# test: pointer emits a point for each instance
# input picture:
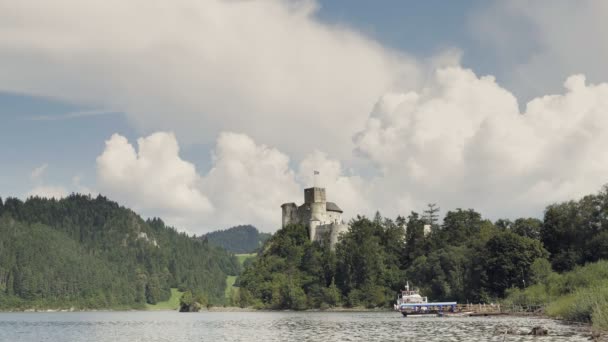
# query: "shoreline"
(330, 310)
(210, 309)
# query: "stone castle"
(323, 219)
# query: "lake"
(269, 326)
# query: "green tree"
(540, 271)
(431, 214)
(459, 226)
(527, 227)
(508, 258)
(89, 252)
(414, 239)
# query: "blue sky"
(69, 146)
(256, 95)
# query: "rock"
(194, 307)
(539, 331)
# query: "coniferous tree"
(91, 253)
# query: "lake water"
(269, 326)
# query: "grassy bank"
(580, 295)
(171, 304)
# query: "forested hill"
(239, 239)
(88, 252)
(465, 258)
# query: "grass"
(232, 291)
(584, 305)
(243, 257)
(579, 295)
(171, 304)
(230, 286)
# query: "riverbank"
(580, 295)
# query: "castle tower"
(323, 219)
(315, 199)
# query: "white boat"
(411, 304)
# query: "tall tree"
(431, 214)
(414, 238)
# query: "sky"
(212, 114)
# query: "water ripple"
(270, 326)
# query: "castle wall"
(313, 230)
(336, 230)
(334, 217)
(322, 233)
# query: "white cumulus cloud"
(247, 183)
(461, 141)
(268, 69)
(299, 93)
(153, 177)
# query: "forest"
(239, 239)
(84, 253)
(465, 258)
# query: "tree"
(333, 297)
(431, 215)
(540, 271)
(360, 256)
(508, 258)
(414, 238)
(460, 226)
(503, 224)
(89, 252)
(239, 239)
(527, 227)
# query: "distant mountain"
(239, 239)
(89, 252)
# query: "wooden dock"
(480, 310)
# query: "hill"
(86, 252)
(239, 239)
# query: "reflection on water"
(269, 326)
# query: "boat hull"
(437, 309)
(420, 315)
